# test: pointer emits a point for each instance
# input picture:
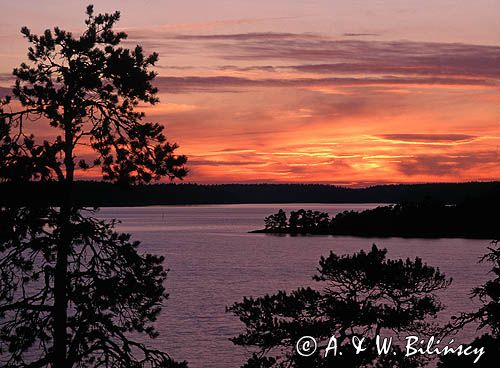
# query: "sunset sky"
(338, 91)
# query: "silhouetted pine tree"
(364, 294)
(72, 290)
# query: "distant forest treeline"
(92, 193)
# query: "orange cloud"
(309, 108)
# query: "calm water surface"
(214, 262)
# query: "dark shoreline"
(102, 194)
(373, 236)
(472, 218)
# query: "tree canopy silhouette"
(361, 294)
(72, 289)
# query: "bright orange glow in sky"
(343, 94)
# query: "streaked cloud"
(172, 30)
(416, 138)
(252, 36)
(360, 34)
(234, 84)
(460, 165)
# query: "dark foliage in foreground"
(361, 294)
(112, 291)
(487, 316)
(426, 219)
(73, 292)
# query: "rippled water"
(214, 262)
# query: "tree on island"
(276, 222)
(73, 291)
(363, 294)
(301, 222)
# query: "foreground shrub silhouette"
(361, 294)
(73, 291)
(112, 290)
(487, 319)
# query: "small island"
(477, 219)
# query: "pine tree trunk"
(61, 270)
(60, 292)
